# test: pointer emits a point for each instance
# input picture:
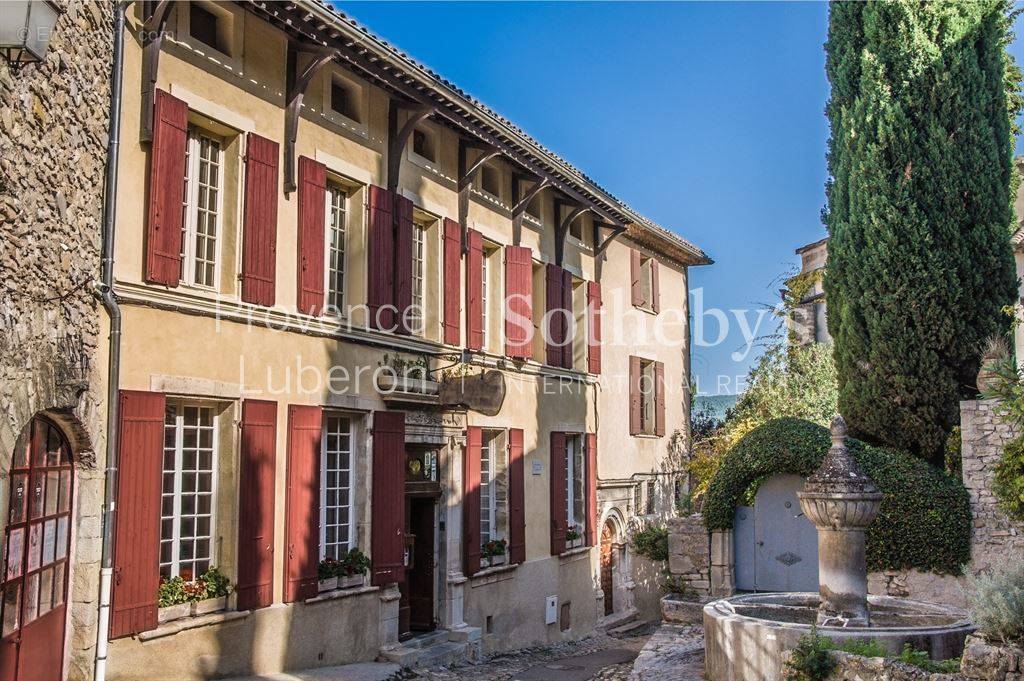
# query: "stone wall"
(53, 136)
(981, 661)
(984, 435)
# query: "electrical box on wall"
(551, 610)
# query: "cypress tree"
(919, 209)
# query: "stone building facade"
(53, 137)
(804, 297)
(256, 108)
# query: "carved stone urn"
(841, 502)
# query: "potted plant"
(493, 552)
(171, 600)
(210, 592)
(327, 574)
(354, 566)
(573, 538)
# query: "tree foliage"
(795, 382)
(925, 518)
(919, 208)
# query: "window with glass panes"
(419, 246)
(493, 486)
(202, 208)
(37, 535)
(336, 486)
(188, 489)
(337, 209)
(575, 483)
(483, 300)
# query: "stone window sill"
(184, 624)
(497, 573)
(335, 594)
(573, 554)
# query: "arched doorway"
(37, 539)
(607, 565)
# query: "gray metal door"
(776, 546)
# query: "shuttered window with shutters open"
(259, 238)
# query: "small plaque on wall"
(537, 467)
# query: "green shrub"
(864, 648)
(996, 600)
(925, 518)
(810, 660)
(652, 542)
(1008, 388)
(921, 660)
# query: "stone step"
(633, 628)
(429, 650)
(617, 619)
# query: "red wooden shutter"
(593, 327)
(452, 285)
(388, 503)
(302, 505)
(636, 425)
(166, 190)
(655, 292)
(259, 240)
(380, 261)
(518, 301)
(516, 497)
(312, 226)
(569, 320)
(659, 398)
(635, 290)
(474, 291)
(556, 318)
(256, 505)
(558, 473)
(591, 489)
(471, 501)
(137, 528)
(403, 264)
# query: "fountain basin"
(745, 636)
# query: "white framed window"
(336, 456)
(336, 236)
(483, 299)
(203, 209)
(419, 259)
(648, 387)
(493, 489)
(188, 490)
(575, 489)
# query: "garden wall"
(704, 560)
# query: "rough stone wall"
(53, 136)
(984, 435)
(689, 553)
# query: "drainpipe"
(106, 293)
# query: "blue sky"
(706, 117)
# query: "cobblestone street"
(668, 653)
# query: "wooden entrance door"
(420, 579)
(37, 540)
(607, 583)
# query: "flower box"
(329, 584)
(170, 613)
(351, 581)
(388, 383)
(209, 605)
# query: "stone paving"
(652, 653)
(671, 653)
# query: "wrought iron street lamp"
(26, 27)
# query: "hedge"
(925, 518)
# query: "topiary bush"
(925, 518)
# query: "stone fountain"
(746, 635)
